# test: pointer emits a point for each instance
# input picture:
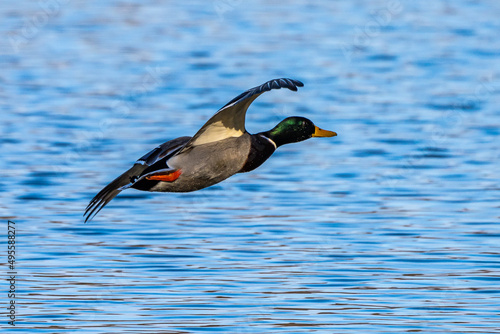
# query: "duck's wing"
(127, 179)
(229, 121)
(163, 151)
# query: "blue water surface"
(391, 227)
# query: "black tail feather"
(111, 190)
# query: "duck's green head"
(295, 129)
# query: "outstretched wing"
(127, 179)
(229, 121)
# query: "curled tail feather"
(111, 190)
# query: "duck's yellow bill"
(323, 133)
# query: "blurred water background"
(391, 227)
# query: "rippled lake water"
(391, 227)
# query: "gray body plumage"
(202, 167)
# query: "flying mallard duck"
(220, 149)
